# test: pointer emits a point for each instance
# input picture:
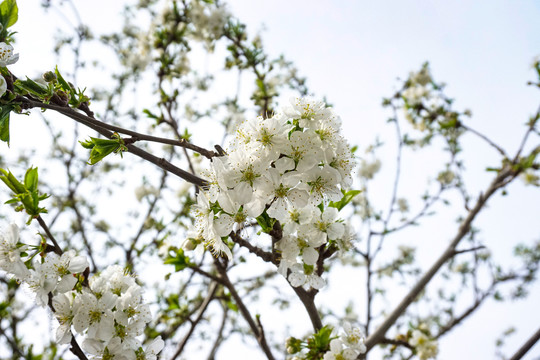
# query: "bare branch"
(508, 172)
(91, 123)
(486, 139)
(42, 223)
(211, 291)
(255, 328)
(527, 346)
(220, 337)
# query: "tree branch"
(219, 337)
(255, 328)
(42, 223)
(506, 173)
(105, 131)
(211, 291)
(527, 346)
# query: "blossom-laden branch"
(288, 174)
(107, 309)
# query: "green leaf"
(12, 182)
(63, 83)
(27, 193)
(9, 13)
(65, 86)
(266, 223)
(100, 148)
(232, 306)
(150, 114)
(31, 179)
(180, 261)
(32, 87)
(347, 198)
(4, 122)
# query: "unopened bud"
(49, 76)
(188, 244)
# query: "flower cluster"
(209, 22)
(285, 172)
(425, 347)
(108, 312)
(347, 346)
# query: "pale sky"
(353, 51)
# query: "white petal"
(63, 334)
(92, 346)
(223, 225)
(310, 256)
(297, 279)
(66, 283)
(316, 282)
(78, 264)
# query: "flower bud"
(189, 244)
(49, 76)
(293, 345)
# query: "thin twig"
(256, 329)
(265, 255)
(219, 338)
(211, 292)
(524, 140)
(44, 226)
(90, 122)
(135, 136)
(476, 248)
(486, 139)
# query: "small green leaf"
(266, 223)
(232, 306)
(4, 122)
(26, 194)
(9, 13)
(32, 87)
(100, 148)
(180, 261)
(347, 198)
(63, 83)
(150, 114)
(31, 179)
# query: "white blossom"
(7, 57)
(424, 346)
(338, 352)
(95, 315)
(10, 252)
(64, 314)
(151, 351)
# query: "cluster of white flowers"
(419, 96)
(209, 22)
(368, 169)
(347, 346)
(418, 86)
(425, 347)
(109, 313)
(286, 168)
